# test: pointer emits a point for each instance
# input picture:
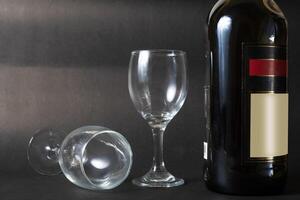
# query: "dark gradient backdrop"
(63, 64)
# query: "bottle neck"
(248, 1)
(258, 1)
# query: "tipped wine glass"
(91, 157)
(157, 82)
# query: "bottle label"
(265, 103)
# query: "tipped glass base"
(42, 152)
(158, 179)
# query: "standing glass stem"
(158, 159)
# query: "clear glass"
(42, 151)
(157, 82)
(91, 157)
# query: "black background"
(63, 64)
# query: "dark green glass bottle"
(246, 144)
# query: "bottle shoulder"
(246, 11)
(248, 21)
(273, 8)
(218, 7)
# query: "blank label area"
(269, 125)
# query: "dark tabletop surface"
(58, 188)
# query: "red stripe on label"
(264, 67)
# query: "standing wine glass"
(158, 88)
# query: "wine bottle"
(246, 148)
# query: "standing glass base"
(158, 179)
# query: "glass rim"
(160, 52)
(93, 136)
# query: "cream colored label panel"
(269, 125)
